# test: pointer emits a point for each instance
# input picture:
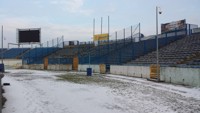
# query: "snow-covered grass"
(187, 91)
(83, 79)
(34, 91)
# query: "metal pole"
(52, 42)
(116, 40)
(89, 54)
(116, 37)
(47, 43)
(101, 24)
(157, 59)
(1, 74)
(139, 33)
(93, 39)
(131, 34)
(57, 41)
(124, 36)
(93, 27)
(63, 41)
(2, 46)
(108, 27)
(108, 40)
(108, 33)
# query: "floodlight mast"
(157, 46)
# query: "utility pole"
(2, 46)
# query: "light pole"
(157, 51)
(2, 46)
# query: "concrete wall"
(34, 66)
(14, 63)
(135, 71)
(25, 66)
(175, 75)
(184, 76)
(67, 67)
(95, 68)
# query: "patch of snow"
(185, 91)
(34, 91)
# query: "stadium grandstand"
(127, 47)
(175, 48)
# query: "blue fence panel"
(36, 55)
(14, 52)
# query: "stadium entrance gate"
(75, 64)
(45, 63)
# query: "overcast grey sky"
(73, 18)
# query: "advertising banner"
(172, 26)
(100, 37)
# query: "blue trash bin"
(89, 71)
(2, 68)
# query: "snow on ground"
(34, 91)
(183, 90)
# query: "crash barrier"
(176, 75)
(180, 75)
(134, 71)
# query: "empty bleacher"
(194, 62)
(97, 54)
(37, 55)
(174, 53)
(65, 55)
(2, 50)
(14, 53)
(125, 50)
(66, 52)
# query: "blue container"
(89, 71)
(107, 68)
(2, 68)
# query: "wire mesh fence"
(58, 42)
(120, 47)
(36, 55)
